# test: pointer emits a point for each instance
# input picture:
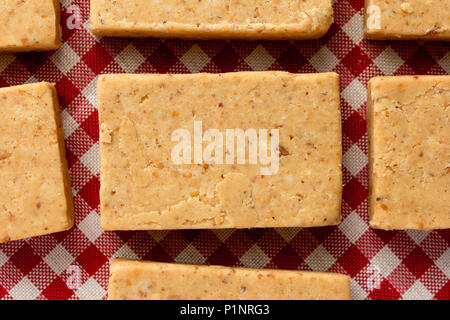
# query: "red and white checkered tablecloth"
(75, 264)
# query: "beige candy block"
(137, 280)
(36, 196)
(29, 25)
(142, 188)
(193, 19)
(407, 20)
(409, 138)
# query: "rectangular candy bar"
(201, 151)
(29, 25)
(193, 19)
(409, 136)
(137, 280)
(36, 196)
(407, 20)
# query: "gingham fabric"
(75, 264)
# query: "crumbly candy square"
(407, 20)
(193, 19)
(142, 280)
(36, 196)
(409, 138)
(29, 25)
(143, 188)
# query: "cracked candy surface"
(36, 196)
(138, 280)
(408, 19)
(409, 135)
(141, 188)
(29, 25)
(262, 19)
